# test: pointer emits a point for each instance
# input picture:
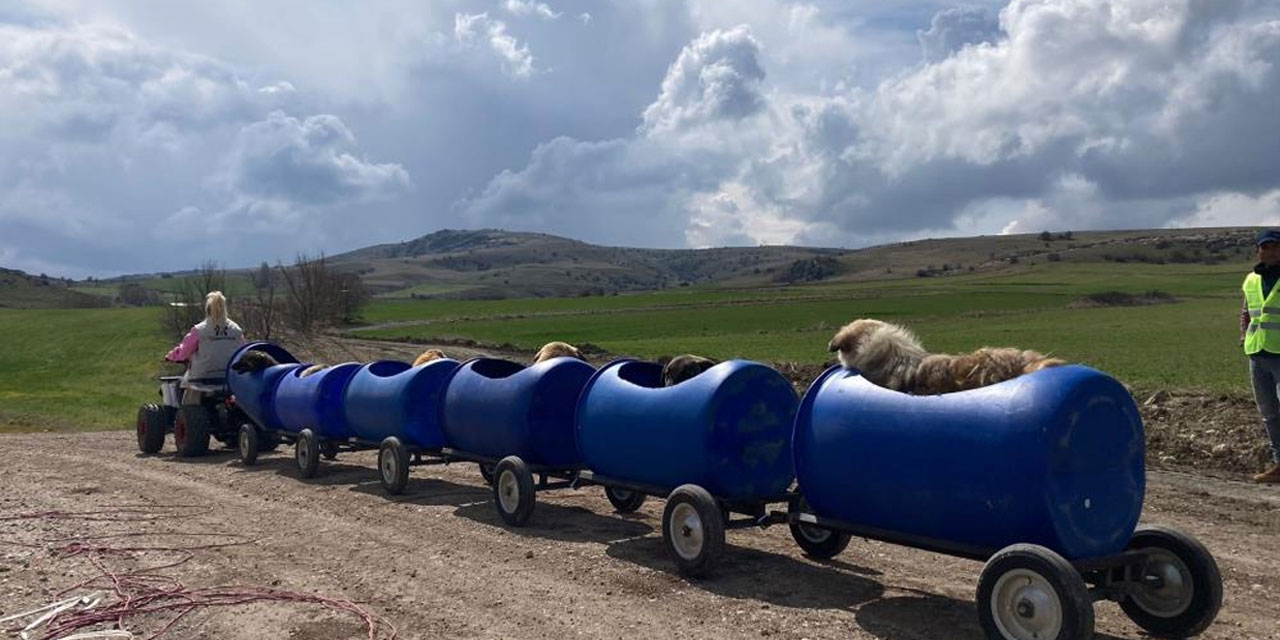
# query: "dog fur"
(254, 361)
(312, 370)
(557, 350)
(684, 367)
(892, 357)
(428, 356)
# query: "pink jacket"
(188, 347)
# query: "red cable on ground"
(142, 592)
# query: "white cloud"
(1234, 210)
(717, 77)
(479, 27)
(954, 29)
(584, 17)
(530, 8)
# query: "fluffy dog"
(892, 357)
(683, 367)
(428, 356)
(557, 350)
(254, 361)
(312, 370)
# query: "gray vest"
(218, 342)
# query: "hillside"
(491, 263)
(19, 290)
(495, 264)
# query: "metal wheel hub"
(508, 492)
(686, 531)
(304, 453)
(1026, 607)
(1167, 589)
(389, 469)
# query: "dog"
(892, 357)
(683, 367)
(557, 350)
(428, 356)
(312, 370)
(254, 361)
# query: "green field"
(68, 369)
(90, 368)
(1190, 344)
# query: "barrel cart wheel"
(1180, 588)
(329, 450)
(191, 430)
(486, 472)
(513, 491)
(1028, 592)
(693, 528)
(306, 452)
(248, 442)
(393, 465)
(624, 500)
(819, 543)
(151, 428)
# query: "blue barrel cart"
(394, 407)
(516, 422)
(254, 395)
(1042, 477)
(714, 445)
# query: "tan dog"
(892, 357)
(428, 356)
(557, 350)
(683, 367)
(312, 370)
(254, 361)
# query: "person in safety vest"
(208, 347)
(1260, 335)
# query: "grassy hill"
(19, 290)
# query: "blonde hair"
(215, 307)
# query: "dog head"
(428, 356)
(681, 368)
(851, 338)
(557, 350)
(254, 361)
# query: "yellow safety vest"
(1263, 333)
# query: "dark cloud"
(953, 29)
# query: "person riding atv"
(196, 404)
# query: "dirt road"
(438, 564)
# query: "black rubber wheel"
(486, 472)
(329, 449)
(151, 428)
(191, 430)
(306, 452)
(817, 542)
(248, 441)
(393, 465)
(1028, 592)
(513, 491)
(1181, 588)
(693, 529)
(624, 500)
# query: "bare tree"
(318, 296)
(260, 314)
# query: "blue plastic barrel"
(315, 402)
(390, 398)
(1053, 458)
(727, 429)
(255, 391)
(498, 408)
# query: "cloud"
(307, 161)
(470, 29)
(1084, 114)
(717, 77)
(530, 8)
(955, 28)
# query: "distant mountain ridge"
(493, 263)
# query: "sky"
(152, 135)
